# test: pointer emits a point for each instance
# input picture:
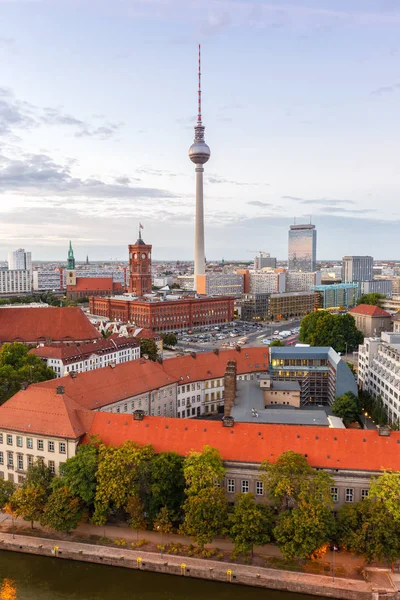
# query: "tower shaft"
(199, 254)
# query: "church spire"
(71, 258)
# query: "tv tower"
(199, 153)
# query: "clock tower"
(71, 273)
(140, 280)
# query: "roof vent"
(238, 349)
(228, 421)
(73, 374)
(193, 354)
(383, 430)
(112, 365)
(216, 351)
(60, 389)
(138, 415)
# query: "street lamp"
(334, 549)
(365, 420)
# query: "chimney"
(138, 415)
(60, 389)
(73, 374)
(112, 365)
(383, 430)
(193, 354)
(228, 421)
(216, 351)
(229, 387)
(238, 348)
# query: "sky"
(98, 100)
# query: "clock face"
(135, 255)
(143, 255)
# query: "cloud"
(216, 21)
(216, 179)
(260, 204)
(387, 89)
(318, 201)
(340, 209)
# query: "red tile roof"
(44, 412)
(92, 284)
(252, 442)
(69, 353)
(40, 324)
(369, 310)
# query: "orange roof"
(369, 310)
(252, 442)
(58, 324)
(44, 412)
(92, 284)
(73, 352)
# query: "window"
(62, 447)
(51, 446)
(259, 488)
(245, 486)
(40, 445)
(10, 459)
(335, 494)
(230, 486)
(349, 497)
(30, 460)
(20, 461)
(19, 441)
(1, 458)
(52, 466)
(1, 438)
(9, 440)
(364, 494)
(29, 443)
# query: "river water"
(42, 578)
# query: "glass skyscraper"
(302, 248)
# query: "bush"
(120, 542)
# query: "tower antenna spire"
(199, 90)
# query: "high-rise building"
(264, 260)
(299, 281)
(20, 260)
(357, 268)
(302, 248)
(140, 280)
(199, 153)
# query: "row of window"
(19, 463)
(348, 494)
(51, 446)
(244, 486)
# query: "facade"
(379, 371)
(337, 295)
(292, 304)
(267, 282)
(357, 268)
(185, 282)
(65, 359)
(297, 281)
(371, 320)
(302, 248)
(93, 286)
(140, 280)
(380, 286)
(20, 260)
(253, 307)
(15, 282)
(264, 260)
(220, 284)
(45, 325)
(165, 315)
(45, 281)
(320, 372)
(396, 322)
(391, 305)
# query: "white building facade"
(267, 282)
(298, 281)
(20, 260)
(15, 282)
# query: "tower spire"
(199, 91)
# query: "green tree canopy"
(250, 524)
(168, 485)
(310, 525)
(203, 469)
(63, 510)
(78, 473)
(283, 478)
(39, 474)
(135, 509)
(373, 298)
(18, 367)
(386, 489)
(347, 407)
(7, 489)
(169, 339)
(206, 515)
(321, 328)
(277, 343)
(149, 347)
(29, 502)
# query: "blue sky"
(97, 105)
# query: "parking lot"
(239, 333)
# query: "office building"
(48, 281)
(379, 371)
(267, 282)
(20, 260)
(220, 284)
(357, 268)
(337, 295)
(15, 282)
(292, 304)
(253, 307)
(298, 281)
(302, 248)
(379, 286)
(264, 260)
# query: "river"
(42, 578)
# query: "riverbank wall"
(318, 585)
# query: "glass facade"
(302, 248)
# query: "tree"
(78, 473)
(283, 478)
(29, 502)
(206, 515)
(163, 522)
(149, 347)
(63, 510)
(386, 489)
(17, 367)
(7, 489)
(310, 525)
(39, 474)
(250, 524)
(203, 469)
(135, 510)
(168, 485)
(117, 476)
(169, 339)
(347, 407)
(372, 299)
(322, 328)
(277, 343)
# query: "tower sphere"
(199, 152)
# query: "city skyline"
(96, 118)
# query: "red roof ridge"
(369, 310)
